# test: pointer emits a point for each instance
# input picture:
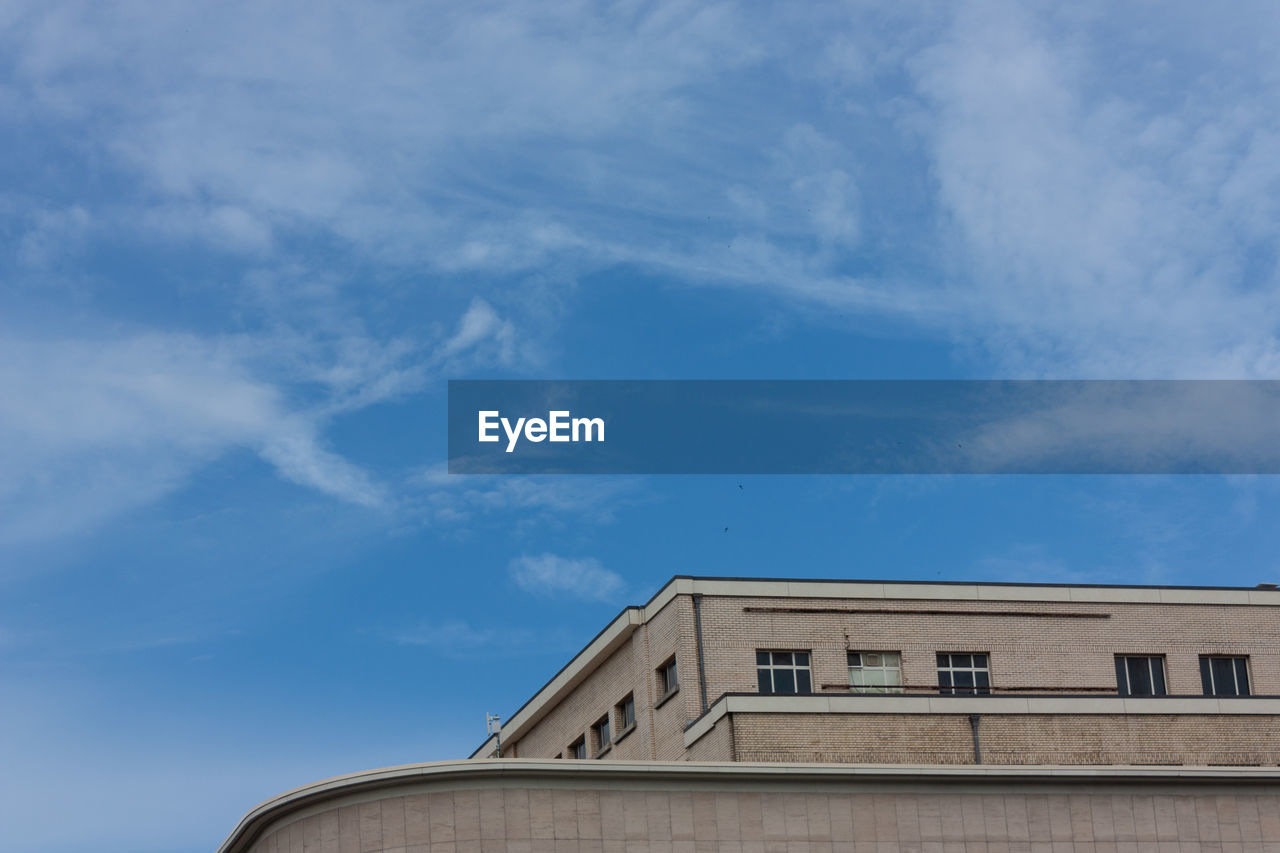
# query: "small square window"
(875, 672)
(966, 673)
(1140, 675)
(668, 679)
(783, 672)
(627, 712)
(1224, 676)
(579, 748)
(601, 734)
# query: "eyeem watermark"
(865, 427)
(558, 426)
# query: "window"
(1140, 675)
(963, 673)
(601, 732)
(875, 672)
(579, 748)
(668, 682)
(1224, 676)
(783, 672)
(626, 713)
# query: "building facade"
(715, 669)
(776, 716)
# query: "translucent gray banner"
(864, 427)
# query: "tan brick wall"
(1029, 648)
(632, 668)
(1006, 739)
(520, 820)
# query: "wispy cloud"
(548, 574)
(98, 426)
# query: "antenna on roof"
(493, 725)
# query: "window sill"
(665, 697)
(604, 750)
(628, 730)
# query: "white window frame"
(1126, 689)
(602, 733)
(1235, 677)
(881, 665)
(794, 668)
(973, 669)
(668, 678)
(623, 724)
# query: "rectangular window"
(783, 672)
(875, 672)
(579, 748)
(966, 673)
(601, 732)
(627, 712)
(1224, 676)
(668, 682)
(1140, 675)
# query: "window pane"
(1122, 677)
(762, 658)
(873, 677)
(766, 684)
(944, 660)
(1157, 677)
(855, 659)
(961, 660)
(802, 658)
(892, 659)
(1206, 682)
(873, 659)
(893, 677)
(1139, 676)
(981, 678)
(962, 678)
(1224, 676)
(944, 679)
(802, 681)
(784, 681)
(1242, 676)
(979, 660)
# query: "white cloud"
(94, 427)
(548, 574)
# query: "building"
(762, 715)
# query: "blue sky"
(247, 243)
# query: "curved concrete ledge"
(535, 774)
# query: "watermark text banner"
(864, 427)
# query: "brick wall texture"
(1033, 648)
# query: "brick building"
(775, 716)
(715, 669)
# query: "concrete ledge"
(902, 704)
